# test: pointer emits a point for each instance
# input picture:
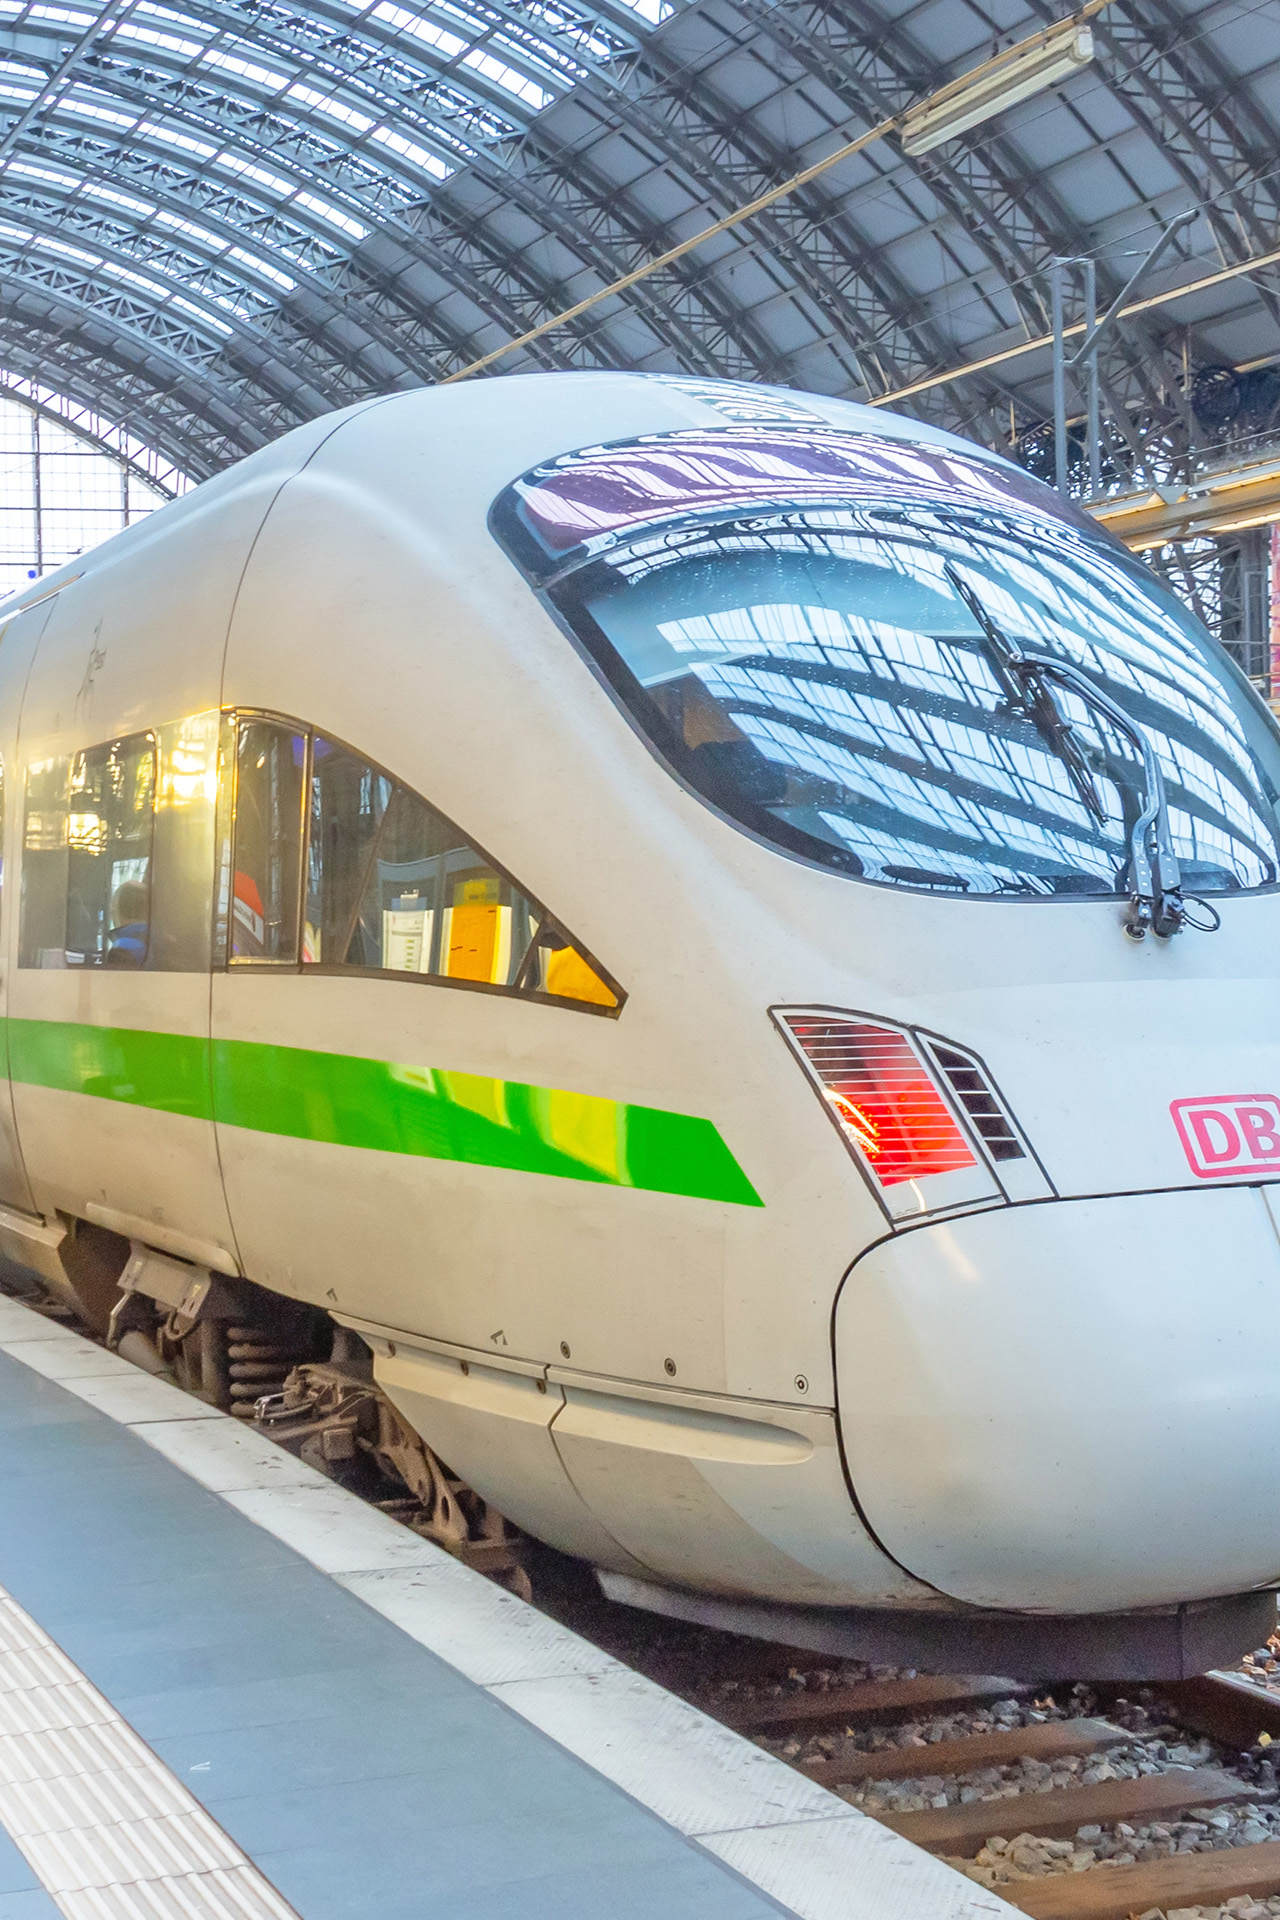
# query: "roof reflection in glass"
(811, 670)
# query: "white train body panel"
(1063, 1404)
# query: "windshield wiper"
(1025, 688)
(1027, 679)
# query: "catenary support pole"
(1056, 274)
(1093, 419)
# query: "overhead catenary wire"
(1013, 284)
(870, 195)
(1253, 265)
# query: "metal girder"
(1222, 499)
(138, 460)
(184, 422)
(236, 214)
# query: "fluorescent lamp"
(1015, 75)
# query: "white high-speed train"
(732, 938)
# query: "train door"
(117, 815)
(19, 639)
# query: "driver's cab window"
(388, 885)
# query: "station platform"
(230, 1690)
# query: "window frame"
(151, 734)
(226, 962)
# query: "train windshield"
(817, 672)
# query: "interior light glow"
(885, 1101)
(87, 833)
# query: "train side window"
(271, 763)
(110, 817)
(184, 854)
(42, 938)
(555, 966)
(347, 807)
(394, 887)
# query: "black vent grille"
(970, 1086)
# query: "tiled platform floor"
(376, 1731)
(360, 1773)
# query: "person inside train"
(130, 916)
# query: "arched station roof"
(223, 217)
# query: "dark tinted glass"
(110, 809)
(347, 806)
(270, 773)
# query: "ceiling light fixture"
(1015, 75)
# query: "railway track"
(1080, 1803)
(1077, 1802)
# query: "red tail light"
(883, 1097)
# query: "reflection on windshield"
(816, 674)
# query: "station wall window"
(390, 886)
(119, 843)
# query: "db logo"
(1237, 1134)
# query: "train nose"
(1072, 1406)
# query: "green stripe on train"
(353, 1102)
